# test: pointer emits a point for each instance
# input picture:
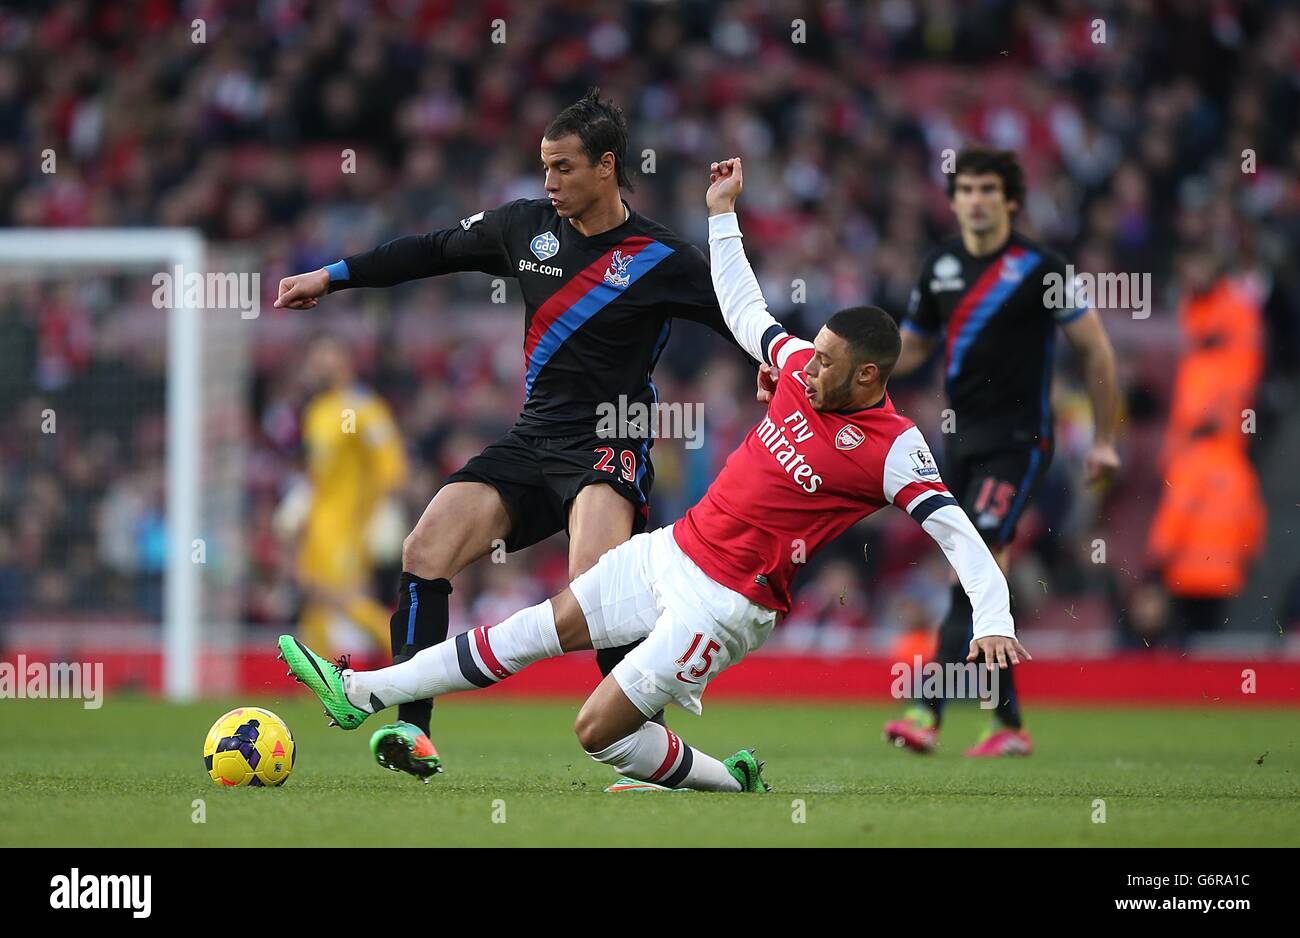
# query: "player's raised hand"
(999, 651)
(1101, 463)
(767, 376)
(725, 182)
(301, 290)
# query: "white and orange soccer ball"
(249, 746)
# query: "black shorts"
(538, 477)
(994, 485)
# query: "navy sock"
(954, 641)
(1008, 712)
(420, 622)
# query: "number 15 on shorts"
(706, 659)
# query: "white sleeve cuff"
(722, 226)
(1006, 629)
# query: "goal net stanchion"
(193, 338)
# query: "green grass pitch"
(128, 775)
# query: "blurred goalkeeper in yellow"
(344, 514)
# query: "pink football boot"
(1002, 742)
(915, 731)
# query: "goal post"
(54, 253)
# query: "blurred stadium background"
(1135, 151)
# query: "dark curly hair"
(978, 160)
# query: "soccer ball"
(249, 746)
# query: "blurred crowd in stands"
(1159, 138)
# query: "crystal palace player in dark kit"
(601, 286)
(984, 296)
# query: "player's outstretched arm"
(475, 244)
(743, 308)
(397, 261)
(912, 483)
(993, 631)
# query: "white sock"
(478, 658)
(655, 754)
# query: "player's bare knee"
(418, 556)
(592, 736)
(410, 550)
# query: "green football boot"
(747, 770)
(325, 679)
(404, 747)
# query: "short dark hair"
(978, 160)
(601, 127)
(871, 334)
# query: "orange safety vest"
(1210, 522)
(1220, 369)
